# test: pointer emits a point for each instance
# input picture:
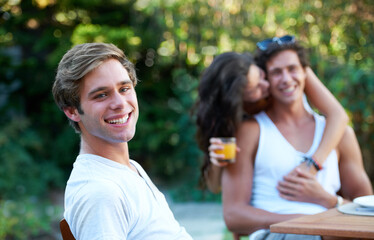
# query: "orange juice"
(229, 149)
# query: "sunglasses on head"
(264, 44)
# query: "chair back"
(65, 230)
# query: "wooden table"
(329, 223)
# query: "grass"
(228, 236)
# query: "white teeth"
(289, 89)
(119, 120)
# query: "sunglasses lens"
(287, 38)
(263, 45)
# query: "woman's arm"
(336, 117)
(213, 173)
(212, 177)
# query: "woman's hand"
(217, 159)
(304, 166)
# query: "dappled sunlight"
(171, 42)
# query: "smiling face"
(109, 105)
(257, 86)
(286, 76)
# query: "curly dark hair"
(263, 56)
(219, 108)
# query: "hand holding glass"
(228, 150)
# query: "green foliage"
(191, 192)
(27, 219)
(21, 173)
(171, 42)
(229, 236)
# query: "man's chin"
(122, 138)
(129, 137)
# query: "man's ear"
(72, 114)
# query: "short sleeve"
(99, 212)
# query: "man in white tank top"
(274, 178)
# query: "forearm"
(332, 134)
(336, 117)
(212, 178)
(329, 201)
(246, 219)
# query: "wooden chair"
(65, 230)
(236, 236)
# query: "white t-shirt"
(108, 200)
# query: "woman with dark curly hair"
(233, 88)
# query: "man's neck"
(117, 152)
(287, 112)
(295, 124)
(256, 107)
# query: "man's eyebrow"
(94, 91)
(273, 69)
(126, 81)
(293, 65)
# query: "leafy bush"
(21, 174)
(28, 219)
(170, 42)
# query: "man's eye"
(124, 89)
(101, 95)
(275, 73)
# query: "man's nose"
(117, 101)
(286, 76)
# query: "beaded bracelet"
(311, 161)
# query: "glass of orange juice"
(229, 149)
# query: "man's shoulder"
(88, 181)
(249, 130)
(92, 188)
(249, 123)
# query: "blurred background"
(171, 42)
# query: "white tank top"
(276, 157)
